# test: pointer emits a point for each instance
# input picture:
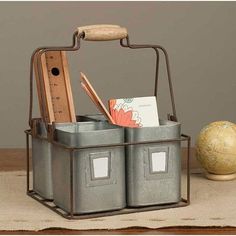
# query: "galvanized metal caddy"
(64, 156)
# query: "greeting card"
(134, 112)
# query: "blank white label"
(100, 167)
(158, 161)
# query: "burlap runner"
(213, 204)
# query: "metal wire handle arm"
(156, 47)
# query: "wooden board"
(39, 87)
(54, 89)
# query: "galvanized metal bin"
(96, 117)
(98, 174)
(42, 158)
(41, 161)
(153, 172)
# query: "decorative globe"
(216, 150)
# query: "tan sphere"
(216, 148)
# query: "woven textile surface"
(212, 204)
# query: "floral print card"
(135, 112)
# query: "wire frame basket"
(124, 42)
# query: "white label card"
(100, 167)
(158, 161)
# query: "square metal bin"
(42, 158)
(98, 173)
(153, 171)
(41, 161)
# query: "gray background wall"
(199, 36)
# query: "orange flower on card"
(122, 117)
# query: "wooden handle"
(82, 28)
(103, 32)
